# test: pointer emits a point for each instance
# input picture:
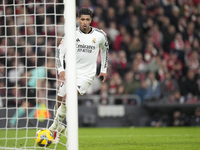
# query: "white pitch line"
(101, 136)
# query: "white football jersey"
(87, 49)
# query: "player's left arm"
(104, 47)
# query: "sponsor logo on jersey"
(85, 48)
(94, 40)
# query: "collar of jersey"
(84, 32)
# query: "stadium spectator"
(97, 16)
(162, 70)
(112, 31)
(114, 83)
(193, 61)
(156, 35)
(197, 23)
(15, 72)
(147, 25)
(101, 25)
(103, 92)
(10, 54)
(142, 17)
(182, 25)
(189, 86)
(168, 87)
(142, 91)
(138, 64)
(174, 65)
(121, 13)
(150, 52)
(137, 6)
(175, 14)
(104, 4)
(120, 91)
(162, 54)
(87, 4)
(135, 46)
(110, 16)
(154, 65)
(118, 40)
(132, 24)
(187, 52)
(177, 98)
(130, 12)
(21, 48)
(113, 62)
(31, 58)
(16, 96)
(49, 29)
(197, 77)
(177, 46)
(2, 71)
(160, 15)
(40, 19)
(159, 120)
(60, 27)
(195, 120)
(126, 40)
(196, 45)
(2, 47)
(122, 63)
(178, 118)
(168, 37)
(153, 88)
(130, 84)
(189, 34)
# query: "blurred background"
(153, 69)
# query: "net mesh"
(30, 31)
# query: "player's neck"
(87, 31)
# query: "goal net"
(30, 31)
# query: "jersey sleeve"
(60, 57)
(104, 47)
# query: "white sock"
(60, 116)
(59, 127)
(55, 110)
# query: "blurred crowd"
(29, 37)
(176, 118)
(154, 47)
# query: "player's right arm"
(60, 60)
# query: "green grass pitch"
(169, 138)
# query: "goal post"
(30, 32)
(72, 104)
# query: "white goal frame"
(70, 45)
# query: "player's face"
(84, 22)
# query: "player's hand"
(104, 75)
(62, 77)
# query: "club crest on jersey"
(94, 40)
(77, 40)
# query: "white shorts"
(82, 86)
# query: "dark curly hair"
(84, 11)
